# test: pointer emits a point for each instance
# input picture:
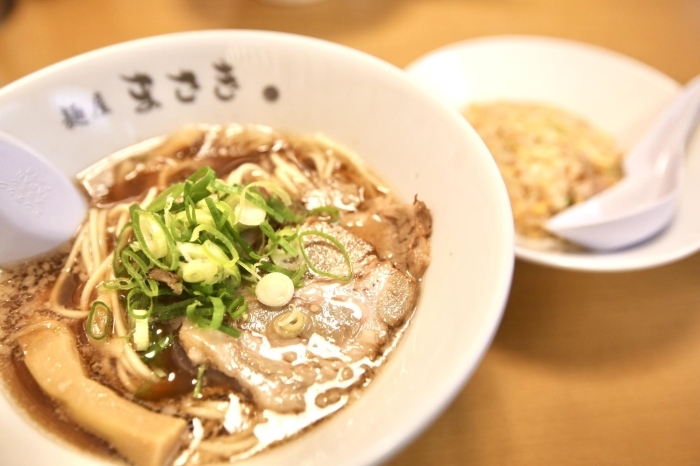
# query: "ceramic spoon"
(40, 208)
(645, 200)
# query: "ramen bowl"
(81, 110)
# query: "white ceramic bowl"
(615, 93)
(80, 110)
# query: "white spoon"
(644, 201)
(40, 208)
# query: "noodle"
(86, 255)
(71, 313)
(228, 446)
(125, 379)
(95, 278)
(253, 170)
(132, 360)
(119, 316)
(289, 175)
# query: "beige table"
(586, 369)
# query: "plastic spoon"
(40, 208)
(644, 201)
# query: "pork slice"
(399, 232)
(354, 317)
(274, 384)
(327, 257)
(379, 296)
(393, 293)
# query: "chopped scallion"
(98, 320)
(209, 238)
(274, 289)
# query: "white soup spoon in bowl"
(644, 202)
(40, 208)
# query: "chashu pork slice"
(399, 232)
(354, 317)
(274, 384)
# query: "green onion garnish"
(206, 239)
(198, 384)
(101, 320)
(334, 242)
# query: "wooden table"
(586, 369)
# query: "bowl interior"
(81, 110)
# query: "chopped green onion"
(119, 245)
(137, 270)
(250, 215)
(289, 324)
(141, 335)
(230, 331)
(150, 288)
(191, 212)
(329, 211)
(250, 268)
(208, 236)
(334, 242)
(198, 384)
(277, 239)
(191, 251)
(251, 196)
(199, 270)
(219, 218)
(100, 320)
(216, 254)
(216, 234)
(158, 203)
(274, 289)
(157, 347)
(136, 300)
(121, 283)
(219, 310)
(242, 244)
(171, 311)
(238, 307)
(154, 236)
(273, 188)
(148, 239)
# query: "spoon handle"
(688, 120)
(670, 130)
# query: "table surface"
(585, 368)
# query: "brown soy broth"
(177, 382)
(181, 376)
(130, 188)
(135, 183)
(69, 293)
